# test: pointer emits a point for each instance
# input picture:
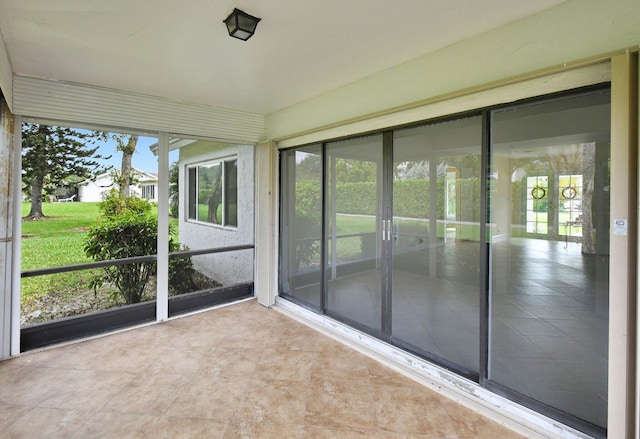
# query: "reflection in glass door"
(537, 205)
(549, 297)
(436, 246)
(570, 206)
(301, 223)
(353, 219)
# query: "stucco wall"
(574, 30)
(232, 267)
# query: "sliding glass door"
(353, 220)
(480, 243)
(550, 253)
(436, 248)
(301, 220)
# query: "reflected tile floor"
(241, 371)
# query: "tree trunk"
(36, 199)
(126, 177)
(216, 196)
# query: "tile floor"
(242, 371)
(549, 315)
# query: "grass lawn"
(58, 240)
(347, 224)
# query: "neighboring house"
(145, 186)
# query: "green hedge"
(469, 204)
(308, 198)
(356, 198)
(411, 199)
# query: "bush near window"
(128, 230)
(126, 235)
(307, 222)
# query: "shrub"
(128, 231)
(174, 205)
(181, 272)
(308, 199)
(306, 231)
(114, 204)
(123, 236)
(307, 222)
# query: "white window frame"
(224, 192)
(148, 191)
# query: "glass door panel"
(436, 240)
(548, 326)
(354, 219)
(301, 223)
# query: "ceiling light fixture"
(241, 25)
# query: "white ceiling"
(179, 49)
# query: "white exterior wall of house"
(226, 268)
(94, 191)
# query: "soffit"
(180, 50)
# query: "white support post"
(265, 253)
(162, 294)
(16, 234)
(6, 227)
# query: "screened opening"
(87, 197)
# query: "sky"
(143, 159)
